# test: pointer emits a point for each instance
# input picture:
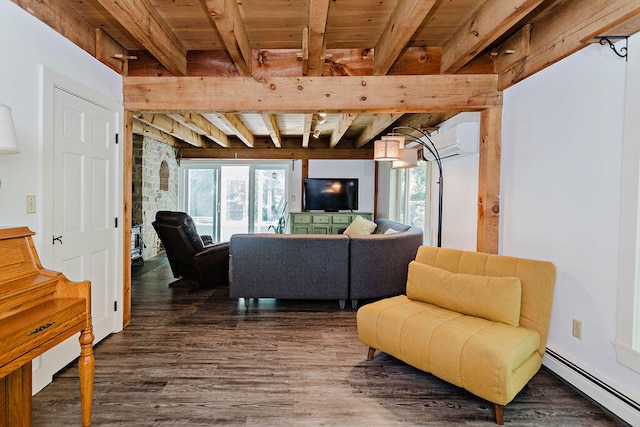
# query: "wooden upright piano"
(39, 309)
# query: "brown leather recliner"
(200, 263)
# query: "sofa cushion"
(493, 298)
(360, 226)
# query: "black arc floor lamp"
(391, 148)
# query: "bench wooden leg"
(499, 411)
(371, 353)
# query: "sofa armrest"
(378, 263)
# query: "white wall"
(459, 202)
(561, 176)
(364, 170)
(25, 45)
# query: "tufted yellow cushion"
(492, 298)
(360, 226)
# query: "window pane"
(201, 199)
(270, 199)
(417, 181)
(401, 192)
(234, 210)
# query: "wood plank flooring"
(201, 359)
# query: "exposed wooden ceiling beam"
(199, 124)
(306, 130)
(490, 21)
(318, 12)
(142, 20)
(377, 125)
(564, 30)
(226, 17)
(141, 128)
(272, 126)
(512, 50)
(404, 22)
(280, 153)
(170, 126)
(239, 128)
(341, 128)
(374, 94)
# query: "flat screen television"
(330, 194)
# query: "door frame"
(50, 81)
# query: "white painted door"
(84, 202)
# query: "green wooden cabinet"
(323, 222)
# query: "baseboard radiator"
(612, 392)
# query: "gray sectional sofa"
(327, 267)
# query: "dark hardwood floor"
(201, 359)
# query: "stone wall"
(155, 168)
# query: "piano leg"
(86, 366)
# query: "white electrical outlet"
(31, 204)
(577, 329)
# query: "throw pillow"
(493, 298)
(360, 226)
(391, 231)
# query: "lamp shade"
(408, 159)
(386, 149)
(8, 141)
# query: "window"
(410, 195)
(228, 198)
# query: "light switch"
(31, 204)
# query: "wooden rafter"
(202, 126)
(491, 20)
(226, 17)
(379, 123)
(374, 94)
(170, 126)
(564, 30)
(272, 126)
(404, 22)
(317, 44)
(141, 128)
(341, 128)
(306, 130)
(239, 128)
(142, 20)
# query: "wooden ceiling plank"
(199, 124)
(490, 21)
(377, 125)
(564, 30)
(142, 20)
(306, 130)
(228, 20)
(170, 126)
(144, 129)
(280, 153)
(239, 128)
(317, 44)
(403, 23)
(372, 94)
(341, 128)
(272, 126)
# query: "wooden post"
(489, 180)
(127, 211)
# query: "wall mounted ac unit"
(457, 136)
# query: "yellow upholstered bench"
(476, 320)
